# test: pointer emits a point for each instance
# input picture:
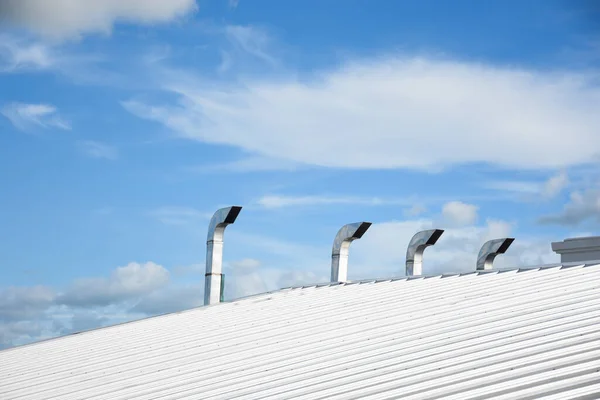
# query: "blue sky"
(125, 124)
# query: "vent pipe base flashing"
(581, 249)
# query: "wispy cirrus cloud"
(251, 40)
(275, 201)
(248, 165)
(97, 149)
(178, 215)
(415, 205)
(531, 190)
(394, 112)
(17, 54)
(29, 116)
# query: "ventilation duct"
(578, 249)
(489, 251)
(341, 245)
(416, 247)
(213, 279)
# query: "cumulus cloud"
(582, 206)
(18, 302)
(96, 149)
(28, 116)
(61, 19)
(37, 312)
(457, 213)
(171, 299)
(395, 112)
(247, 277)
(131, 281)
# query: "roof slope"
(502, 335)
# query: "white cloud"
(395, 112)
(252, 40)
(18, 302)
(245, 264)
(457, 213)
(61, 19)
(27, 116)
(582, 206)
(252, 278)
(171, 299)
(131, 281)
(415, 210)
(189, 269)
(18, 55)
(555, 185)
(520, 187)
(226, 62)
(275, 201)
(175, 215)
(531, 190)
(98, 150)
(247, 165)
(416, 206)
(38, 312)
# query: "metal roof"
(526, 334)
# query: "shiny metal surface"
(519, 334)
(489, 251)
(341, 246)
(214, 252)
(416, 247)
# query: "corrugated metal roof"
(501, 335)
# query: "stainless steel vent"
(341, 245)
(214, 253)
(489, 251)
(414, 253)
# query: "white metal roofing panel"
(526, 334)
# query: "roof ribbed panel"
(529, 334)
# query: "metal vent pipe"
(414, 253)
(341, 246)
(489, 251)
(213, 290)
